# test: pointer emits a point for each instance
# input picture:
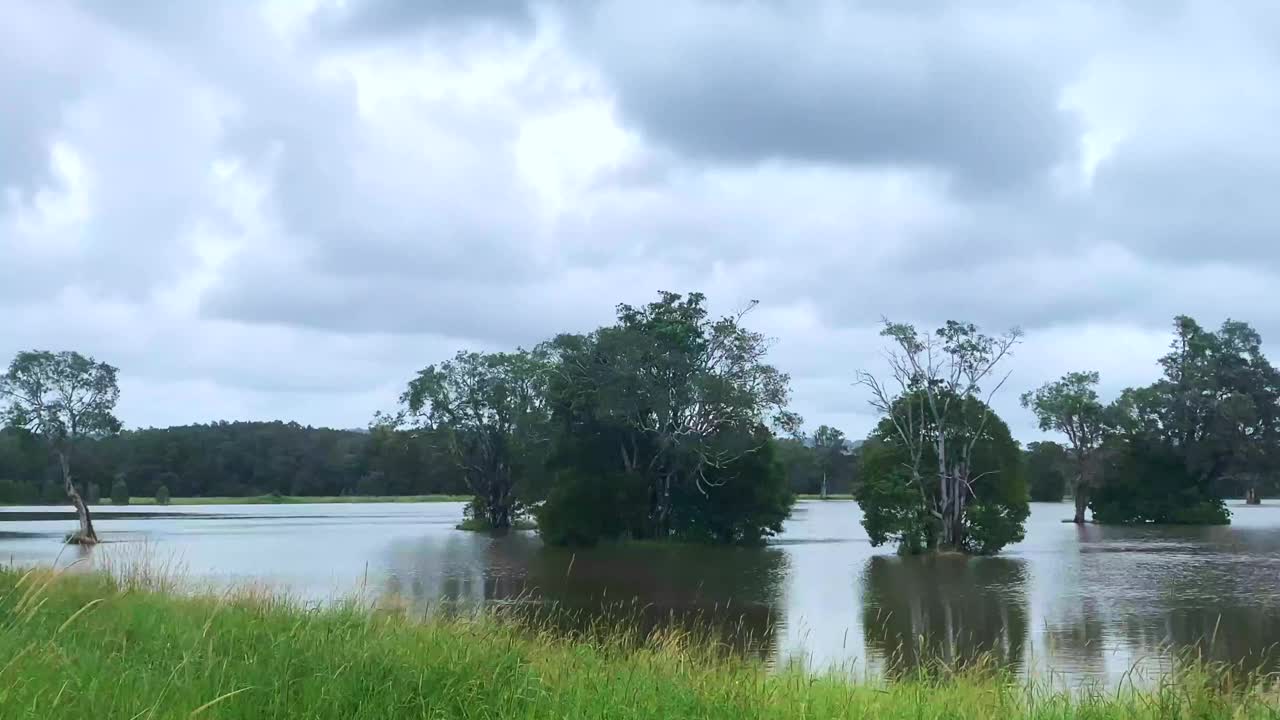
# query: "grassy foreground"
(90, 646)
(299, 500)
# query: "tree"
(1211, 424)
(932, 406)
(669, 399)
(1070, 406)
(1047, 469)
(94, 494)
(901, 498)
(120, 492)
(490, 408)
(162, 495)
(63, 397)
(829, 446)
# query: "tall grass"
(123, 645)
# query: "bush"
(372, 484)
(743, 503)
(93, 495)
(162, 495)
(120, 492)
(53, 493)
(1149, 483)
(582, 509)
(10, 493)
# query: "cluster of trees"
(823, 464)
(233, 459)
(657, 426)
(941, 470)
(1208, 428)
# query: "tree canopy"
(666, 410)
(938, 477)
(62, 397)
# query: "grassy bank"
(94, 647)
(300, 500)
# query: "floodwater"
(1078, 604)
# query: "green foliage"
(162, 495)
(893, 509)
(582, 509)
(743, 503)
(491, 410)
(807, 461)
(10, 492)
(1047, 465)
(120, 492)
(242, 459)
(1211, 422)
(1149, 482)
(664, 411)
(901, 507)
(53, 492)
(93, 494)
(372, 483)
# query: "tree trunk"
(824, 486)
(1252, 497)
(1082, 502)
(86, 535)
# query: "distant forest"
(244, 459)
(233, 459)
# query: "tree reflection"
(729, 594)
(942, 611)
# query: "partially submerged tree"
(1210, 425)
(901, 496)
(1070, 406)
(491, 411)
(930, 411)
(63, 397)
(671, 401)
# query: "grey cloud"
(838, 83)
(376, 19)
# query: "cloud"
(283, 209)
(968, 90)
(372, 20)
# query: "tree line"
(669, 423)
(232, 459)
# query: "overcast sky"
(263, 210)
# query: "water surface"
(1087, 603)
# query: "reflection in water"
(949, 609)
(730, 593)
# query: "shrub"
(120, 492)
(162, 495)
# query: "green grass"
(93, 646)
(299, 500)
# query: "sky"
(281, 210)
